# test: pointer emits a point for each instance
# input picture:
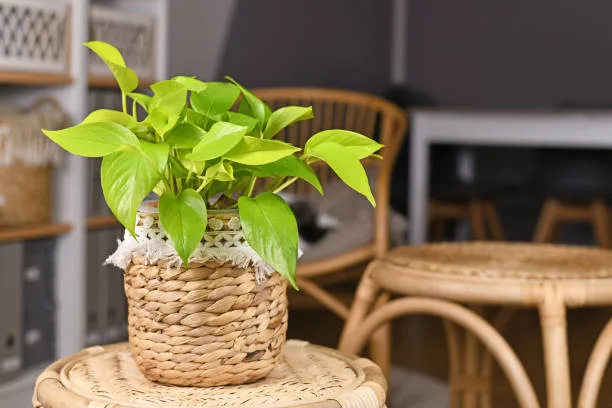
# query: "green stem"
(251, 186)
(285, 185)
(134, 110)
(204, 184)
(276, 183)
(124, 102)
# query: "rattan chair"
(366, 114)
(439, 279)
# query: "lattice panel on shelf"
(33, 36)
(132, 34)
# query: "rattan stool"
(310, 376)
(548, 277)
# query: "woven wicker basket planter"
(212, 323)
(27, 158)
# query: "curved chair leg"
(455, 366)
(470, 364)
(494, 221)
(500, 322)
(324, 297)
(600, 356)
(601, 222)
(354, 340)
(556, 353)
(548, 222)
(477, 220)
(380, 344)
(365, 298)
(475, 384)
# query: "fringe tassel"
(154, 250)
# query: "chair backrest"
(339, 109)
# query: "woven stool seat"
(310, 376)
(497, 273)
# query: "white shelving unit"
(71, 183)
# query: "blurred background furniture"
(456, 193)
(537, 128)
(310, 376)
(363, 233)
(575, 185)
(455, 198)
(436, 278)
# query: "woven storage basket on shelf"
(27, 158)
(216, 322)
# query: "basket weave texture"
(309, 377)
(507, 261)
(208, 324)
(26, 163)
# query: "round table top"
(498, 272)
(310, 376)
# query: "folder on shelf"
(38, 275)
(116, 308)
(39, 339)
(95, 291)
(11, 305)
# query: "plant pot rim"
(152, 207)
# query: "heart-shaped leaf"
(270, 228)
(93, 139)
(252, 105)
(254, 151)
(184, 136)
(167, 86)
(290, 166)
(284, 117)
(359, 145)
(242, 120)
(217, 98)
(171, 103)
(191, 83)
(108, 115)
(126, 78)
(219, 140)
(346, 165)
(221, 171)
(129, 175)
(184, 219)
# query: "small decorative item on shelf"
(133, 34)
(27, 158)
(34, 36)
(206, 304)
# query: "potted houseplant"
(206, 306)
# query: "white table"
(544, 128)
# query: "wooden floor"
(428, 353)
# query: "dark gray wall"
(197, 36)
(335, 43)
(511, 53)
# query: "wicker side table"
(437, 279)
(310, 377)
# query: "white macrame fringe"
(154, 249)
